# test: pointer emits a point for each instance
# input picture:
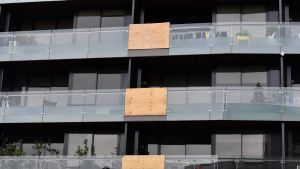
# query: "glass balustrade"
(105, 105)
(171, 162)
(69, 44)
(185, 39)
(22, 107)
(31, 45)
(183, 104)
(256, 38)
(108, 42)
(253, 104)
(190, 39)
(188, 104)
(64, 162)
(63, 106)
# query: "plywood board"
(149, 36)
(143, 162)
(146, 102)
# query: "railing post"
(282, 102)
(13, 43)
(83, 107)
(210, 104)
(225, 100)
(211, 38)
(232, 43)
(5, 102)
(237, 163)
(50, 44)
(43, 113)
(88, 43)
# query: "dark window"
(84, 81)
(109, 81)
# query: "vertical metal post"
(139, 77)
(283, 143)
(129, 73)
(1, 79)
(7, 22)
(280, 10)
(282, 70)
(136, 142)
(124, 149)
(132, 11)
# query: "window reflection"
(106, 144)
(75, 140)
(103, 144)
(240, 146)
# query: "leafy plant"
(14, 149)
(52, 151)
(39, 148)
(82, 151)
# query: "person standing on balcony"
(259, 96)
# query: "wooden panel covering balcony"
(143, 162)
(149, 36)
(146, 102)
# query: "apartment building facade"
(164, 84)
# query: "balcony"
(63, 44)
(183, 104)
(188, 39)
(171, 162)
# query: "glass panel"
(217, 104)
(60, 162)
(228, 76)
(104, 106)
(222, 38)
(253, 104)
(254, 13)
(198, 149)
(291, 38)
(292, 103)
(112, 21)
(190, 104)
(75, 140)
(228, 145)
(18, 162)
(109, 81)
(23, 108)
(63, 107)
(228, 79)
(98, 163)
(260, 164)
(6, 45)
(88, 19)
(291, 164)
(3, 105)
(190, 39)
(173, 149)
(84, 81)
(106, 144)
(251, 75)
(256, 39)
(190, 162)
(228, 13)
(227, 163)
(112, 42)
(31, 45)
(253, 146)
(153, 149)
(66, 44)
(64, 162)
